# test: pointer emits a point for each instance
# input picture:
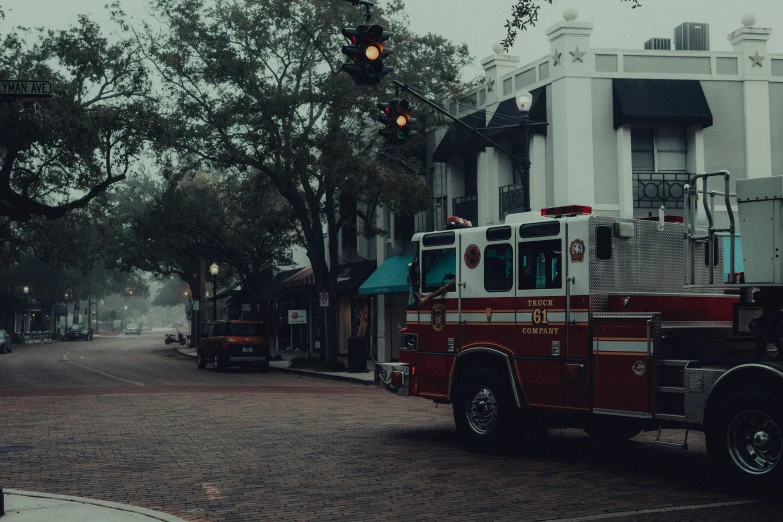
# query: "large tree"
(257, 87)
(58, 153)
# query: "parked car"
(229, 343)
(5, 342)
(79, 331)
(133, 328)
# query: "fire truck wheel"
(746, 439)
(484, 410)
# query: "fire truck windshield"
(436, 265)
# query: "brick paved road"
(249, 446)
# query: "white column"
(696, 164)
(572, 132)
(488, 205)
(537, 173)
(758, 153)
(624, 171)
(755, 66)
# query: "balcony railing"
(466, 207)
(653, 189)
(512, 200)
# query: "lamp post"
(26, 291)
(524, 101)
(125, 317)
(214, 271)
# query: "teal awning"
(389, 278)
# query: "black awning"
(350, 277)
(459, 140)
(660, 102)
(506, 113)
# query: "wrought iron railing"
(512, 200)
(466, 207)
(653, 189)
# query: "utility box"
(760, 207)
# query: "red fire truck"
(614, 326)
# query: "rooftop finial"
(570, 14)
(748, 19)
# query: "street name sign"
(323, 299)
(195, 305)
(297, 317)
(32, 89)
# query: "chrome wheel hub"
(482, 410)
(754, 442)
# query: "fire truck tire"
(746, 439)
(484, 409)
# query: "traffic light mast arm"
(367, 5)
(517, 161)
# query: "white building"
(624, 130)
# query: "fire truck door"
(576, 365)
(438, 317)
(541, 312)
(487, 309)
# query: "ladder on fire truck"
(670, 388)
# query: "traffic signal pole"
(522, 165)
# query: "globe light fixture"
(26, 290)
(524, 101)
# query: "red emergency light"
(457, 222)
(568, 210)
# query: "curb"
(317, 375)
(320, 375)
(155, 515)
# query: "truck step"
(680, 445)
(675, 362)
(671, 389)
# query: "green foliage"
(172, 292)
(59, 153)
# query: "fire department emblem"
(472, 256)
(438, 317)
(639, 368)
(577, 251)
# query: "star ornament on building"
(757, 59)
(490, 84)
(577, 54)
(556, 57)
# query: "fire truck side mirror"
(413, 275)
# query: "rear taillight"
(397, 379)
(224, 347)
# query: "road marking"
(619, 514)
(65, 356)
(106, 374)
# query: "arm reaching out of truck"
(447, 287)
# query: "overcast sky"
(479, 23)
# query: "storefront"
(388, 289)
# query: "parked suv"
(229, 343)
(79, 331)
(5, 342)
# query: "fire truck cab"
(569, 319)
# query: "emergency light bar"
(568, 210)
(457, 222)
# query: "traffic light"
(396, 120)
(367, 53)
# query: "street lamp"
(125, 317)
(26, 290)
(214, 271)
(524, 102)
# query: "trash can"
(357, 354)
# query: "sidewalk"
(29, 506)
(282, 366)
